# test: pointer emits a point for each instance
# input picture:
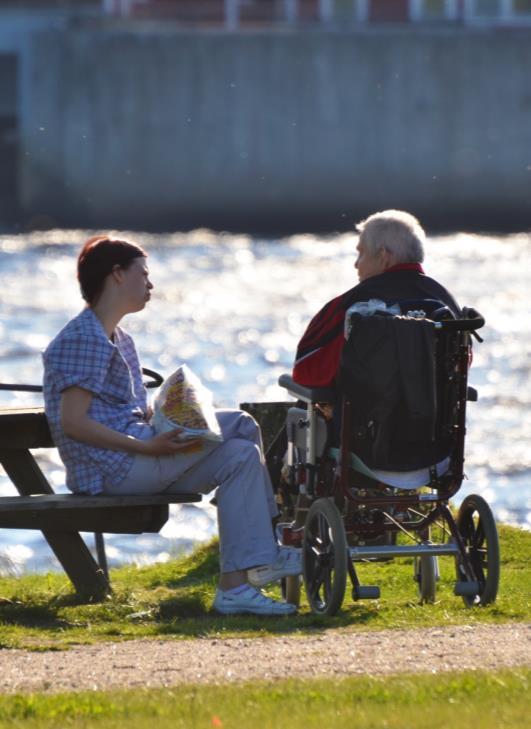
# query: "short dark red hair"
(97, 259)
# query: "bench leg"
(69, 548)
(77, 561)
(100, 552)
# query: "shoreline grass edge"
(41, 612)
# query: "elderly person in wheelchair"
(377, 447)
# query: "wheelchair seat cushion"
(409, 479)
(398, 479)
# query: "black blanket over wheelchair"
(388, 373)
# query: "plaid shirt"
(81, 355)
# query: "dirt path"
(158, 663)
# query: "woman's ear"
(117, 273)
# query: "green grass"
(41, 611)
(491, 701)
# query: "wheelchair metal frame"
(345, 523)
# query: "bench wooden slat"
(24, 428)
(122, 520)
(74, 502)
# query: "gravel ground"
(344, 652)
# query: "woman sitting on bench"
(96, 406)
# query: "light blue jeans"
(244, 496)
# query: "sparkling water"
(233, 307)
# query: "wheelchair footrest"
(466, 589)
(366, 592)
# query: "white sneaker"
(287, 564)
(250, 601)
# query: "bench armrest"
(308, 394)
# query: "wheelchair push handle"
(470, 321)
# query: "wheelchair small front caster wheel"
(324, 557)
(425, 568)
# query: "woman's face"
(136, 285)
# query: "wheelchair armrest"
(308, 394)
(471, 394)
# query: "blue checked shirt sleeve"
(79, 362)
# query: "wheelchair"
(337, 506)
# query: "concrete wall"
(277, 130)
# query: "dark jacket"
(319, 350)
(387, 372)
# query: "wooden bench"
(61, 517)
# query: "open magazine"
(184, 402)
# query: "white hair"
(395, 231)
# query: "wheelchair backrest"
(405, 378)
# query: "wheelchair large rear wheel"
(479, 533)
(324, 557)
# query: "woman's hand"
(77, 424)
(169, 444)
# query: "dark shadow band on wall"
(491, 221)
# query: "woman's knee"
(240, 449)
(238, 424)
(248, 428)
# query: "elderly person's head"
(387, 239)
